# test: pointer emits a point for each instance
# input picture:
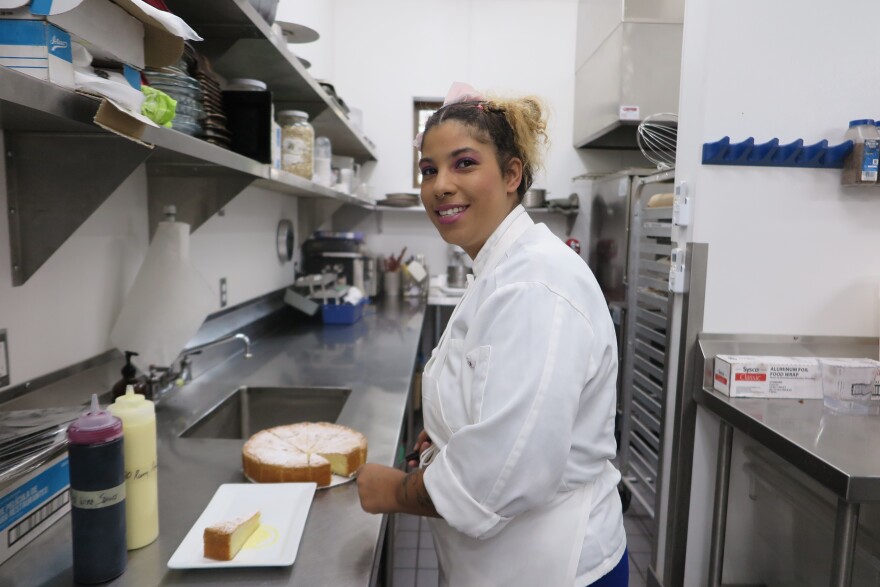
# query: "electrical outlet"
(4, 360)
(223, 297)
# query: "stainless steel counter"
(373, 357)
(831, 448)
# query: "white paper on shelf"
(113, 87)
(167, 303)
(170, 22)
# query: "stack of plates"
(177, 83)
(400, 200)
(214, 123)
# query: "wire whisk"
(657, 137)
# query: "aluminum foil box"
(770, 377)
(33, 502)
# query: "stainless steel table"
(826, 446)
(341, 544)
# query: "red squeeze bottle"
(97, 496)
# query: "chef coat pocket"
(477, 365)
(462, 383)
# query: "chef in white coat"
(519, 395)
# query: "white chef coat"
(526, 394)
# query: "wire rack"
(657, 137)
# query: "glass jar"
(860, 166)
(323, 173)
(297, 143)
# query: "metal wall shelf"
(570, 214)
(60, 166)
(239, 43)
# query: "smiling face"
(465, 192)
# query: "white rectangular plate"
(283, 509)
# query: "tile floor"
(415, 561)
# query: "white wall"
(390, 51)
(777, 235)
(63, 314)
(790, 252)
(317, 15)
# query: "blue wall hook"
(772, 154)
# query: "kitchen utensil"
(456, 276)
(657, 137)
(283, 509)
(534, 198)
(399, 259)
(391, 283)
(400, 200)
(297, 33)
(246, 85)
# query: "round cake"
(306, 451)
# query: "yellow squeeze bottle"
(138, 417)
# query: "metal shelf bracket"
(55, 181)
(197, 190)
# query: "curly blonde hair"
(516, 127)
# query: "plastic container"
(851, 386)
(323, 172)
(138, 417)
(246, 85)
(297, 143)
(342, 313)
(97, 496)
(860, 166)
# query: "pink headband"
(458, 92)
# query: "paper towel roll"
(167, 303)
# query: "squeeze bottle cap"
(94, 426)
(133, 407)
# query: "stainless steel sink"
(251, 409)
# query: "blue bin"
(342, 313)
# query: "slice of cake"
(224, 539)
(306, 451)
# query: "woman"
(519, 395)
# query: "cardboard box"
(769, 377)
(38, 49)
(106, 30)
(32, 503)
(158, 46)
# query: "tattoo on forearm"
(412, 486)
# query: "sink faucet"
(161, 380)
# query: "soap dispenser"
(129, 377)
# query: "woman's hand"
(385, 490)
(422, 443)
(377, 487)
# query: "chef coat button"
(470, 363)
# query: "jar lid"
(861, 122)
(95, 426)
(293, 114)
(252, 85)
